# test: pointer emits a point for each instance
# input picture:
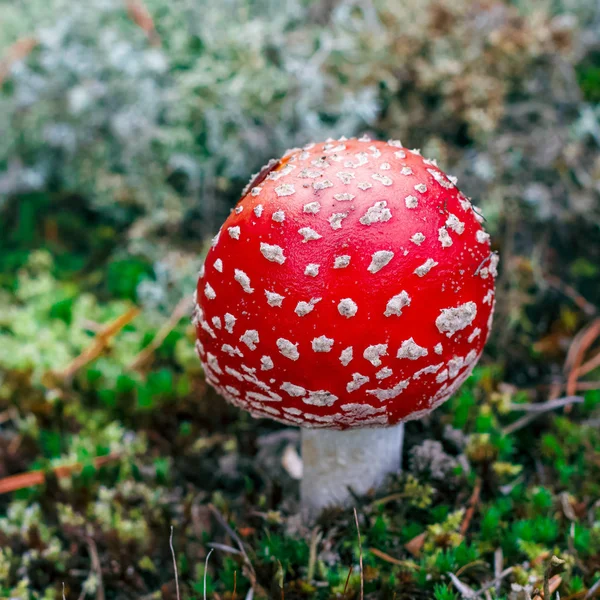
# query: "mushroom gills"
(336, 462)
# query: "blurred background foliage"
(127, 131)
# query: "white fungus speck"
(347, 307)
(418, 238)
(374, 352)
(234, 232)
(335, 220)
(320, 398)
(438, 348)
(312, 208)
(411, 201)
(345, 176)
(320, 163)
(364, 185)
(378, 213)
(322, 185)
(358, 381)
(383, 373)
(266, 363)
(232, 351)
(258, 210)
(272, 252)
(250, 338)
(229, 322)
(428, 370)
(322, 344)
(482, 237)
(288, 349)
(455, 364)
(421, 188)
(379, 260)
(444, 237)
(309, 234)
(441, 179)
(346, 356)
(455, 319)
(341, 262)
(383, 179)
(494, 260)
(411, 350)
(285, 189)
(312, 270)
(295, 391)
(274, 299)
(343, 197)
(396, 304)
(442, 376)
(278, 216)
(422, 270)
(473, 335)
(243, 280)
(218, 265)
(209, 292)
(310, 174)
(389, 394)
(452, 222)
(303, 308)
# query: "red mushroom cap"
(352, 286)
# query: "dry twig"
(140, 15)
(587, 307)
(473, 501)
(180, 311)
(592, 591)
(96, 566)
(542, 407)
(394, 561)
(579, 346)
(100, 343)
(18, 51)
(31, 478)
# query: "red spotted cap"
(352, 286)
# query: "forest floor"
(111, 442)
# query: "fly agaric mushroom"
(351, 290)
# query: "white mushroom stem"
(335, 462)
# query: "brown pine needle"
(579, 346)
(409, 564)
(473, 502)
(182, 309)
(18, 51)
(31, 478)
(99, 344)
(347, 580)
(140, 15)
